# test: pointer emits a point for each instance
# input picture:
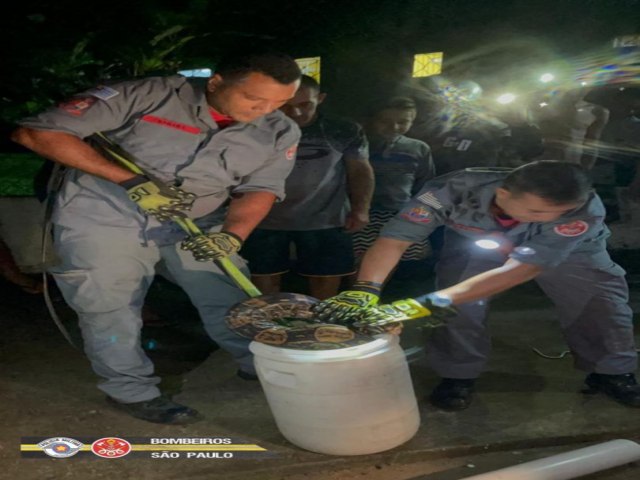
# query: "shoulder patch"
(417, 215)
(77, 106)
(290, 154)
(573, 229)
(103, 93)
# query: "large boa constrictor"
(285, 320)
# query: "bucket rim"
(289, 354)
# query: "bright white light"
(487, 244)
(196, 72)
(543, 104)
(583, 83)
(547, 77)
(506, 98)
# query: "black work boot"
(453, 393)
(159, 410)
(622, 388)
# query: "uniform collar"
(486, 199)
(193, 91)
(484, 196)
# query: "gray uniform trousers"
(591, 304)
(104, 276)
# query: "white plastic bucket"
(351, 401)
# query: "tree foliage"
(53, 49)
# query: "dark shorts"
(327, 252)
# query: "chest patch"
(290, 154)
(573, 229)
(165, 122)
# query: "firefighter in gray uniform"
(217, 151)
(503, 228)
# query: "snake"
(285, 320)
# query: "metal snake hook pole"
(190, 228)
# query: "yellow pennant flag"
(427, 64)
(310, 66)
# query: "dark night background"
(53, 49)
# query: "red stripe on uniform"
(165, 122)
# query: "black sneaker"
(252, 377)
(159, 410)
(622, 388)
(453, 393)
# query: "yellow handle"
(225, 263)
(191, 229)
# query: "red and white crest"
(291, 152)
(572, 229)
(77, 106)
(111, 447)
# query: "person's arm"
(360, 184)
(491, 282)
(250, 201)
(152, 198)
(10, 271)
(440, 304)
(426, 170)
(381, 259)
(246, 211)
(378, 262)
(385, 253)
(70, 151)
(592, 137)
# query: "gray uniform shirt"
(401, 169)
(316, 189)
(166, 123)
(471, 142)
(462, 202)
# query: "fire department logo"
(291, 152)
(77, 106)
(111, 447)
(417, 215)
(60, 447)
(572, 229)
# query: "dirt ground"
(47, 389)
(462, 467)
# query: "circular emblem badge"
(111, 447)
(572, 229)
(60, 447)
(291, 152)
